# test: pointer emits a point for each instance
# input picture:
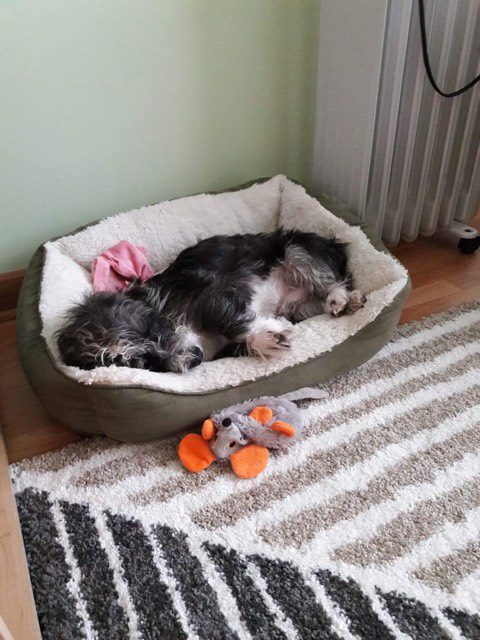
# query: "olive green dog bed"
(133, 405)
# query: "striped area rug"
(368, 529)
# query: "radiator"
(403, 158)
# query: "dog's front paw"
(268, 344)
(336, 302)
(270, 338)
(281, 340)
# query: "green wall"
(110, 104)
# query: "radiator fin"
(403, 158)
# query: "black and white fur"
(227, 295)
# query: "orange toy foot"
(284, 428)
(261, 414)
(194, 453)
(249, 461)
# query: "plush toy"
(243, 433)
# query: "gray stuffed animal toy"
(245, 432)
(251, 421)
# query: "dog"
(225, 296)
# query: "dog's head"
(176, 348)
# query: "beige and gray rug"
(369, 528)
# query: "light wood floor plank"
(28, 429)
(17, 607)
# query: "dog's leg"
(340, 300)
(305, 310)
(336, 301)
(268, 337)
(356, 300)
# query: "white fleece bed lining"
(167, 228)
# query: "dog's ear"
(261, 414)
(208, 429)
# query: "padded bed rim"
(65, 398)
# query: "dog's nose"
(196, 357)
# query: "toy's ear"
(249, 461)
(208, 430)
(261, 414)
(284, 428)
(195, 453)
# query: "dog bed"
(133, 405)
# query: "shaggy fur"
(227, 295)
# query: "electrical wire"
(426, 60)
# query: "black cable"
(426, 60)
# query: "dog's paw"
(336, 303)
(281, 340)
(270, 338)
(356, 300)
(268, 344)
(340, 301)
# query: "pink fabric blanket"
(118, 266)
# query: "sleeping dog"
(227, 295)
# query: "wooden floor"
(18, 619)
(27, 427)
(442, 277)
